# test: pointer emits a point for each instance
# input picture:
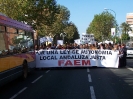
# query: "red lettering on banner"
(86, 62)
(77, 62)
(61, 62)
(68, 62)
(74, 62)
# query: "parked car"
(130, 52)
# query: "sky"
(82, 11)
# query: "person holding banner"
(59, 46)
(102, 46)
(67, 46)
(115, 48)
(81, 46)
(96, 45)
(93, 47)
(110, 46)
(120, 56)
(49, 46)
(87, 46)
(70, 46)
(84, 46)
(54, 46)
(107, 46)
(124, 52)
(63, 47)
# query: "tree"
(45, 16)
(76, 35)
(60, 22)
(71, 31)
(125, 36)
(125, 29)
(33, 12)
(11, 8)
(101, 26)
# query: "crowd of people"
(103, 46)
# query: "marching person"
(124, 52)
(120, 56)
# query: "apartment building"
(129, 20)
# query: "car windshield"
(130, 49)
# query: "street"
(66, 49)
(73, 83)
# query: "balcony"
(131, 19)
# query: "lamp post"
(63, 35)
(115, 19)
(111, 10)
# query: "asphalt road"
(130, 62)
(73, 83)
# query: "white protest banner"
(41, 40)
(87, 38)
(77, 58)
(49, 39)
(77, 41)
(59, 42)
(108, 42)
(44, 39)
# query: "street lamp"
(115, 18)
(111, 10)
(63, 35)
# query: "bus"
(17, 54)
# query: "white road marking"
(37, 79)
(18, 93)
(89, 78)
(47, 71)
(92, 92)
(129, 68)
(88, 70)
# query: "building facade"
(129, 20)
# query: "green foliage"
(45, 16)
(125, 27)
(62, 25)
(101, 25)
(62, 17)
(69, 30)
(116, 39)
(75, 36)
(125, 36)
(10, 8)
(72, 32)
(34, 12)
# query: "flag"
(112, 31)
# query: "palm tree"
(125, 27)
